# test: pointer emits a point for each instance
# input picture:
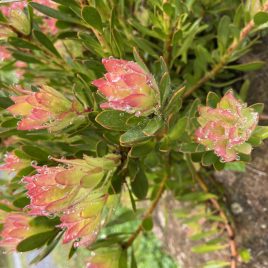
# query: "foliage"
(101, 98)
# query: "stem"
(147, 214)
(229, 229)
(225, 58)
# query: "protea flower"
(44, 109)
(77, 193)
(226, 128)
(127, 87)
(14, 164)
(6, 9)
(15, 229)
(105, 258)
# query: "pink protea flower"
(15, 229)
(14, 164)
(127, 87)
(226, 128)
(47, 108)
(5, 9)
(77, 193)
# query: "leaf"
(260, 18)
(257, 107)
(123, 259)
(139, 60)
(141, 150)
(191, 148)
(178, 129)
(46, 42)
(261, 132)
(133, 263)
(25, 57)
(113, 119)
(21, 43)
(207, 248)
(245, 255)
(236, 166)
(5, 102)
(209, 158)
(153, 126)
(21, 202)
(147, 224)
(91, 43)
(36, 241)
(165, 87)
(47, 250)
(217, 264)
(212, 99)
(35, 152)
(124, 217)
(198, 196)
(140, 185)
(54, 13)
(246, 67)
(42, 221)
(133, 136)
(92, 17)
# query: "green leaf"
(21, 43)
(10, 123)
(209, 158)
(139, 60)
(92, 17)
(251, 66)
(207, 248)
(46, 42)
(124, 217)
(44, 222)
(236, 166)
(165, 87)
(141, 150)
(35, 152)
(5, 102)
(147, 224)
(153, 126)
(260, 18)
(178, 129)
(140, 185)
(133, 136)
(133, 263)
(21, 202)
(25, 57)
(91, 43)
(261, 132)
(113, 120)
(257, 107)
(191, 148)
(198, 196)
(123, 259)
(217, 264)
(36, 241)
(212, 99)
(54, 13)
(245, 255)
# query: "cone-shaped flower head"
(226, 128)
(105, 258)
(127, 87)
(44, 109)
(14, 164)
(15, 229)
(77, 193)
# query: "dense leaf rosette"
(226, 128)
(127, 87)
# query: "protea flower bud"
(13, 163)
(44, 109)
(105, 258)
(128, 87)
(226, 128)
(15, 229)
(55, 189)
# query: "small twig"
(228, 227)
(224, 60)
(263, 117)
(147, 214)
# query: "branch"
(147, 214)
(224, 60)
(229, 229)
